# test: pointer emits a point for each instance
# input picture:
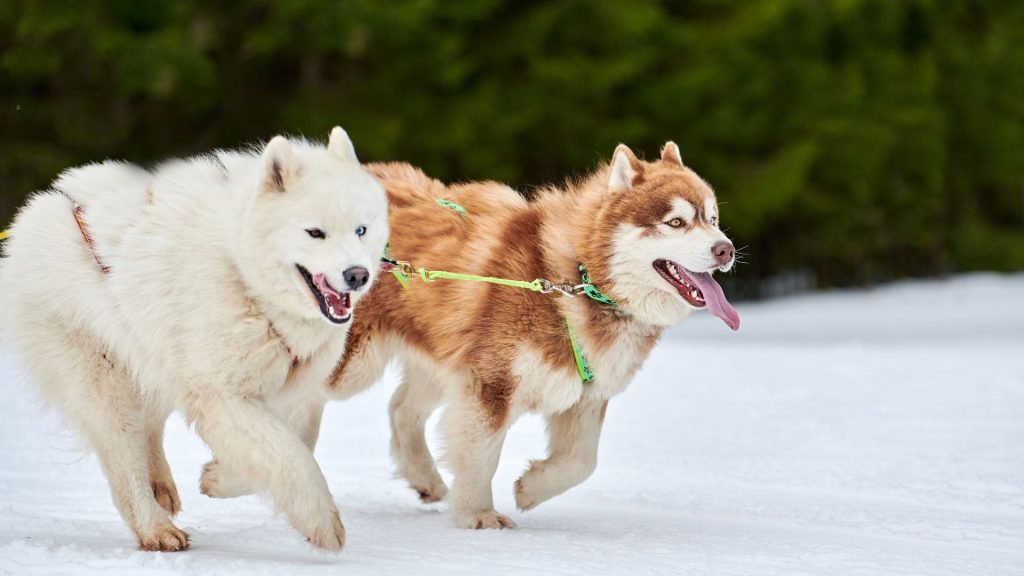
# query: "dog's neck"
(567, 235)
(300, 337)
(615, 341)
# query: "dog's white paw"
(534, 487)
(430, 492)
(526, 499)
(218, 482)
(546, 479)
(166, 538)
(326, 533)
(484, 519)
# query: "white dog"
(220, 286)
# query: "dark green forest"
(852, 141)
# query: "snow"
(864, 432)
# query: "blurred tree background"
(853, 140)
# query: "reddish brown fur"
(480, 326)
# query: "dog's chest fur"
(615, 348)
(615, 362)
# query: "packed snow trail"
(866, 432)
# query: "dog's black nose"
(723, 252)
(356, 277)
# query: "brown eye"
(675, 222)
(714, 220)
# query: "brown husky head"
(658, 241)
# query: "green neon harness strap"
(403, 281)
(451, 206)
(428, 275)
(591, 290)
(582, 366)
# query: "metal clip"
(405, 267)
(546, 287)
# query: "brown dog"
(647, 234)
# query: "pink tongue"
(715, 298)
(334, 300)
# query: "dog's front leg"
(473, 441)
(219, 481)
(572, 454)
(246, 437)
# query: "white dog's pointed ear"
(670, 153)
(278, 164)
(626, 169)
(340, 145)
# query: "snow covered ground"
(875, 432)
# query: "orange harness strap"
(79, 212)
(287, 348)
(84, 229)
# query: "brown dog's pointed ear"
(278, 164)
(626, 169)
(670, 153)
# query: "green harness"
(451, 206)
(403, 270)
(582, 366)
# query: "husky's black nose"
(356, 277)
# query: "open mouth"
(334, 305)
(699, 290)
(676, 276)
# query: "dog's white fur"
(203, 311)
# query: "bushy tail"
(405, 184)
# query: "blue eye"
(361, 231)
(316, 233)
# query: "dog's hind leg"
(160, 479)
(572, 455)
(415, 399)
(99, 400)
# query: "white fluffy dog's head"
(313, 228)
